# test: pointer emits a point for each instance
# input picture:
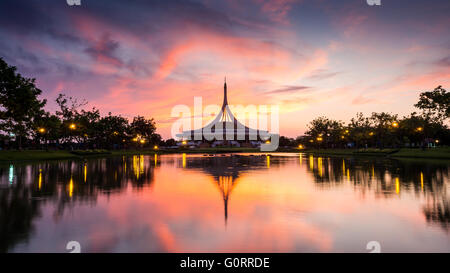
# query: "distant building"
(228, 128)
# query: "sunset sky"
(312, 58)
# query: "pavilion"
(226, 128)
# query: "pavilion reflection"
(226, 171)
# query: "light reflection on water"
(229, 203)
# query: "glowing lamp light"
(268, 142)
(311, 140)
(419, 129)
(155, 147)
(371, 134)
(184, 142)
(342, 137)
(394, 124)
(437, 140)
(41, 130)
(300, 146)
(142, 141)
(346, 131)
(72, 126)
(319, 139)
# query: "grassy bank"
(442, 153)
(436, 153)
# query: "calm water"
(244, 203)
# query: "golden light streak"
(319, 166)
(268, 161)
(156, 159)
(40, 179)
(311, 162)
(71, 187)
(421, 180)
(85, 172)
(184, 160)
(397, 186)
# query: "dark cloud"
(104, 51)
(443, 62)
(289, 89)
(323, 74)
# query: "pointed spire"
(225, 100)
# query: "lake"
(226, 203)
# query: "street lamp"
(41, 130)
(419, 129)
(72, 126)
(300, 146)
(155, 147)
(395, 124)
(319, 139)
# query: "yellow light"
(346, 131)
(142, 141)
(319, 139)
(155, 147)
(72, 126)
(371, 134)
(40, 179)
(268, 142)
(41, 130)
(156, 159)
(419, 129)
(71, 187)
(421, 180)
(135, 139)
(85, 172)
(342, 137)
(184, 142)
(115, 133)
(437, 141)
(311, 140)
(395, 124)
(300, 146)
(397, 186)
(319, 166)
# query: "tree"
(435, 104)
(385, 126)
(112, 130)
(143, 127)
(360, 130)
(19, 103)
(324, 131)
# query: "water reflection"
(270, 183)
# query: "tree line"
(381, 130)
(25, 123)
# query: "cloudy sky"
(313, 58)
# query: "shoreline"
(9, 156)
